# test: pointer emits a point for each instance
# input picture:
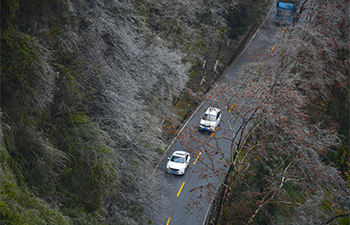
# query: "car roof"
(212, 111)
(180, 153)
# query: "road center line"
(231, 107)
(167, 223)
(273, 48)
(200, 153)
(180, 189)
(214, 132)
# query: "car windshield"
(209, 117)
(178, 159)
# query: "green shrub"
(18, 205)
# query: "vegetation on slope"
(211, 33)
(86, 87)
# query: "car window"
(178, 159)
(217, 117)
(209, 117)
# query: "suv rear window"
(209, 117)
(178, 159)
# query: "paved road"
(188, 198)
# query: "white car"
(178, 162)
(210, 120)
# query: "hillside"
(90, 93)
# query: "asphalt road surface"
(189, 195)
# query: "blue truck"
(284, 12)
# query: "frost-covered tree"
(280, 138)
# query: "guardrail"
(208, 213)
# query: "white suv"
(178, 162)
(210, 120)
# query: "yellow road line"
(231, 107)
(167, 223)
(273, 48)
(212, 134)
(180, 189)
(200, 153)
